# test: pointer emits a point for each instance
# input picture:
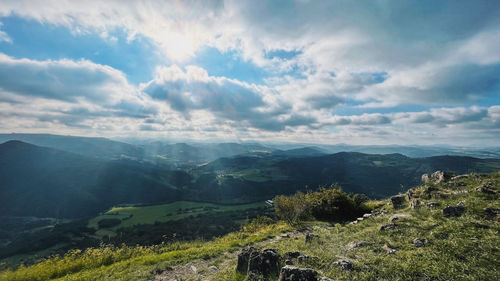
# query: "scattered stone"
(454, 211)
(388, 249)
(310, 237)
(411, 194)
(397, 201)
(292, 273)
(306, 258)
(487, 188)
(353, 222)
(415, 203)
(419, 242)
(428, 190)
(345, 264)
(157, 271)
(433, 205)
(265, 263)
(397, 217)
(367, 216)
(193, 269)
(492, 213)
(243, 258)
(285, 235)
(459, 177)
(293, 255)
(387, 226)
(289, 262)
(360, 219)
(213, 268)
(354, 245)
(437, 177)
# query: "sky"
(355, 72)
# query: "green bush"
(292, 209)
(105, 223)
(329, 204)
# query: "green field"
(135, 215)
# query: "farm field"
(135, 215)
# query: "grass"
(457, 248)
(135, 263)
(462, 248)
(131, 216)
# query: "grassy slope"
(162, 213)
(463, 248)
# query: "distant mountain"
(44, 182)
(251, 178)
(414, 151)
(199, 153)
(95, 147)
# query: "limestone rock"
(419, 242)
(397, 201)
(454, 211)
(292, 273)
(387, 226)
(345, 264)
(397, 217)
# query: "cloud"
(4, 37)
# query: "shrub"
(330, 204)
(292, 209)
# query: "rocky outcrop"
(310, 237)
(398, 201)
(397, 217)
(345, 265)
(387, 226)
(292, 273)
(419, 242)
(437, 177)
(256, 263)
(454, 211)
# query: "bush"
(330, 204)
(292, 209)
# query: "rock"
(285, 235)
(305, 258)
(388, 249)
(428, 190)
(292, 273)
(492, 213)
(459, 177)
(419, 242)
(440, 176)
(360, 219)
(213, 268)
(397, 201)
(354, 245)
(293, 255)
(433, 205)
(367, 216)
(193, 269)
(243, 258)
(425, 178)
(415, 203)
(487, 188)
(265, 263)
(388, 226)
(345, 264)
(310, 237)
(289, 262)
(157, 271)
(454, 211)
(397, 217)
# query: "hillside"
(45, 182)
(445, 230)
(375, 175)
